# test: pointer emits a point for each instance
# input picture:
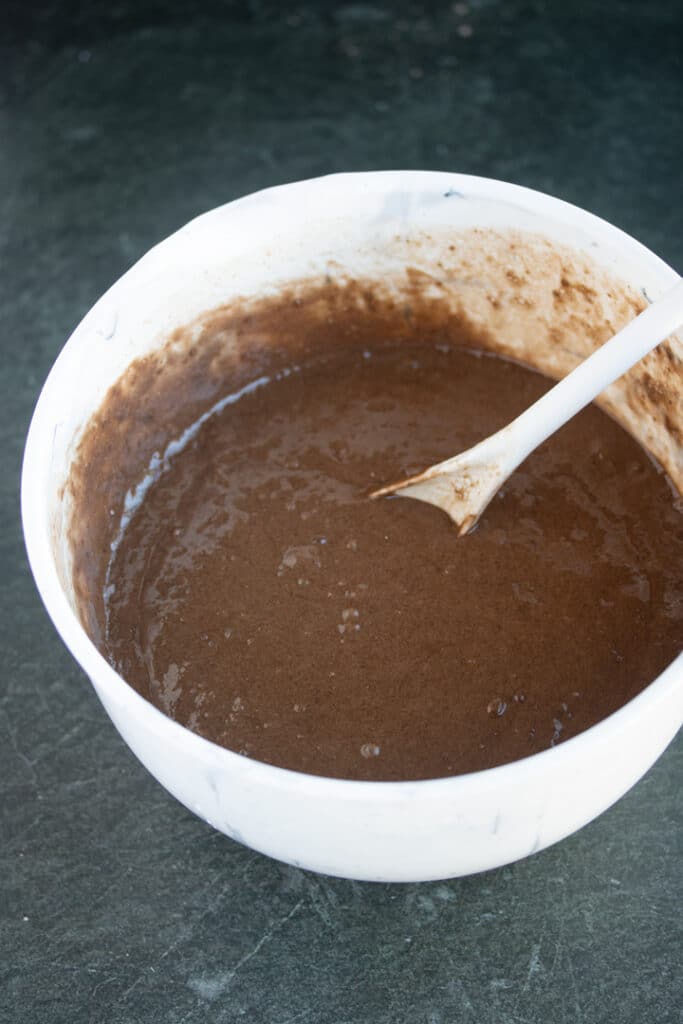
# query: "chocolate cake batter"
(257, 596)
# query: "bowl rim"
(129, 702)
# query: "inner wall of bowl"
(523, 293)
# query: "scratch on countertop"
(26, 761)
(535, 965)
(322, 898)
(211, 987)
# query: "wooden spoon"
(464, 485)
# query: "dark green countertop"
(119, 122)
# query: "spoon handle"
(594, 374)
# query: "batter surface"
(258, 596)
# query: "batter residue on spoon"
(258, 597)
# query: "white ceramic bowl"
(378, 831)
